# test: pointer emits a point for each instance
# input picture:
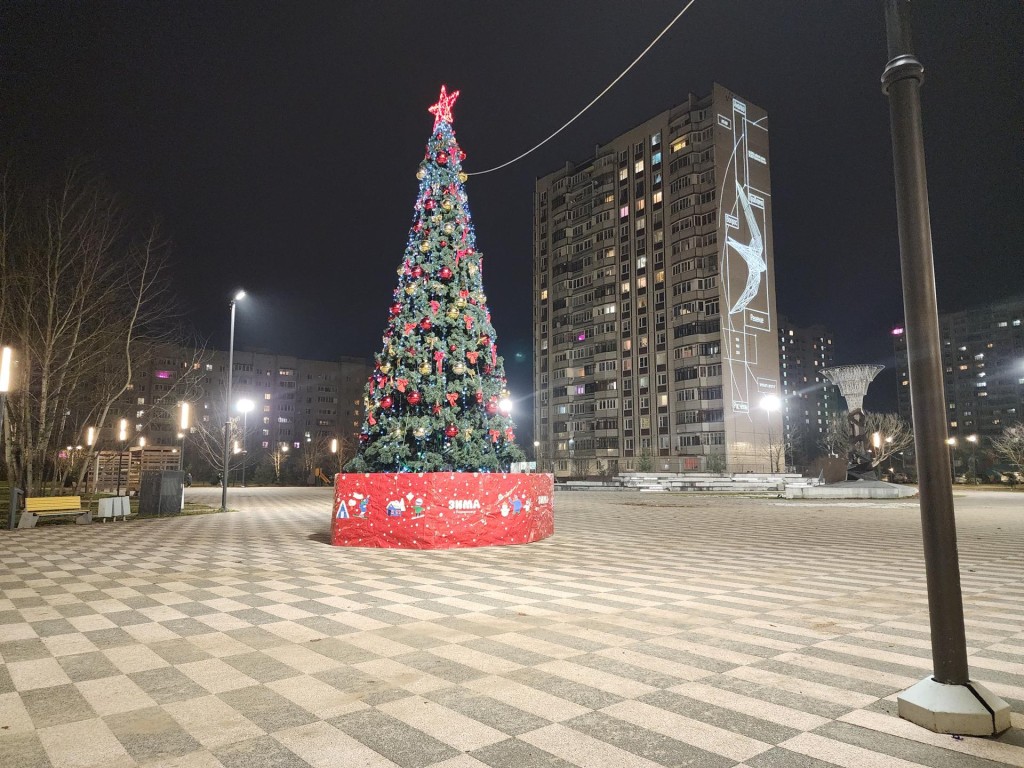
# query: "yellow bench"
(49, 506)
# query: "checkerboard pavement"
(651, 630)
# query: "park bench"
(51, 506)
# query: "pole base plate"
(968, 710)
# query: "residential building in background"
(809, 400)
(983, 369)
(655, 339)
(295, 400)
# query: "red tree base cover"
(441, 510)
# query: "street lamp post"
(947, 701)
(245, 405)
(183, 427)
(122, 438)
(227, 406)
(972, 466)
(6, 363)
(90, 440)
(951, 442)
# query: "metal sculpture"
(853, 381)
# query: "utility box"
(161, 492)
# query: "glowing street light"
(6, 363)
(122, 439)
(184, 424)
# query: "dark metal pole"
(901, 81)
(227, 414)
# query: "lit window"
(638, 167)
(656, 197)
(623, 211)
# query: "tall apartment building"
(809, 400)
(654, 311)
(983, 369)
(295, 399)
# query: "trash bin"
(161, 492)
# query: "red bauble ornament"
(363, 437)
(451, 430)
(479, 396)
(445, 273)
(413, 398)
(442, 158)
(425, 324)
(386, 402)
(444, 243)
(417, 271)
(462, 155)
(491, 408)
(429, 205)
(396, 308)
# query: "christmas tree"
(437, 398)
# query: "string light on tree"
(437, 399)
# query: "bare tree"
(888, 434)
(313, 452)
(207, 439)
(276, 458)
(78, 296)
(1009, 446)
(775, 451)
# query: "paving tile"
(167, 684)
(151, 734)
(262, 752)
(402, 744)
(23, 750)
(266, 709)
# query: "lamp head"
(239, 295)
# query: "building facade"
(654, 314)
(295, 401)
(983, 369)
(809, 400)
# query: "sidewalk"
(650, 630)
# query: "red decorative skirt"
(441, 510)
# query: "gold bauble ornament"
(410, 288)
(453, 314)
(425, 246)
(449, 228)
(420, 432)
(459, 368)
(472, 268)
(421, 174)
(446, 204)
(386, 368)
(460, 303)
(437, 218)
(463, 176)
(425, 368)
(401, 270)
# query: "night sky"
(278, 142)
